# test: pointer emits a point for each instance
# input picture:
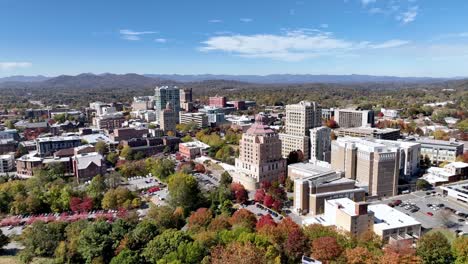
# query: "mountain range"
(146, 79)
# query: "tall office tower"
(320, 143)
(186, 103)
(168, 119)
(300, 118)
(164, 95)
(354, 118)
(374, 164)
(259, 156)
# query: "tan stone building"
(168, 119)
(300, 118)
(349, 216)
(259, 156)
(372, 164)
(314, 184)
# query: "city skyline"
(375, 37)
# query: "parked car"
(430, 214)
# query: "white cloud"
(128, 34)
(161, 40)
(390, 44)
(324, 25)
(366, 2)
(215, 21)
(14, 65)
(408, 16)
(246, 20)
(376, 10)
(293, 45)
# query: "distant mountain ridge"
(145, 79)
(298, 78)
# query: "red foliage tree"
(268, 200)
(265, 185)
(239, 192)
(75, 204)
(259, 195)
(295, 245)
(243, 217)
(200, 218)
(86, 204)
(265, 220)
(276, 205)
(326, 249)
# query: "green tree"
(126, 153)
(143, 233)
(112, 158)
(96, 189)
(226, 179)
(186, 138)
(127, 256)
(101, 147)
(434, 248)
(161, 168)
(41, 239)
(96, 242)
(460, 249)
(165, 217)
(422, 184)
(184, 191)
(164, 244)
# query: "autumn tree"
(200, 219)
(238, 253)
(244, 218)
(238, 192)
(359, 255)
(460, 249)
(326, 249)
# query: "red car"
(429, 214)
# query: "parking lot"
(142, 182)
(260, 210)
(206, 181)
(433, 210)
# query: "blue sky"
(378, 37)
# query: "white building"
(389, 113)
(7, 162)
(393, 225)
(458, 192)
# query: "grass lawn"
(15, 260)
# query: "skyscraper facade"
(164, 95)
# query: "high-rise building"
(300, 118)
(259, 156)
(186, 103)
(168, 119)
(164, 95)
(354, 118)
(142, 103)
(320, 143)
(375, 164)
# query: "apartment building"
(320, 144)
(186, 103)
(259, 156)
(300, 118)
(164, 95)
(128, 133)
(109, 121)
(200, 119)
(48, 145)
(354, 118)
(7, 145)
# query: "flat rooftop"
(51, 139)
(345, 204)
(385, 217)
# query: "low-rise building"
(48, 145)
(314, 184)
(456, 191)
(439, 150)
(192, 149)
(27, 165)
(394, 226)
(368, 132)
(128, 133)
(7, 146)
(452, 172)
(354, 118)
(88, 165)
(349, 216)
